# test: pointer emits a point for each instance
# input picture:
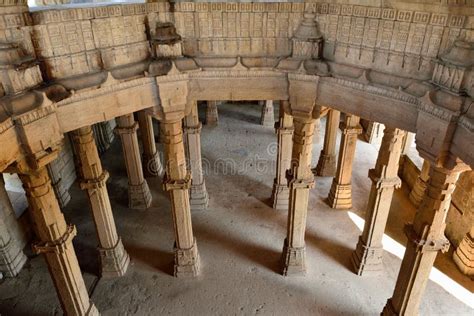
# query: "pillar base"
(152, 166)
(12, 259)
(114, 261)
(139, 196)
(326, 167)
(186, 262)
(198, 197)
(280, 197)
(293, 260)
(388, 310)
(464, 255)
(340, 196)
(367, 261)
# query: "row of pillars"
(426, 233)
(294, 179)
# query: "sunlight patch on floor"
(397, 249)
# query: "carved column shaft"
(177, 182)
(198, 193)
(138, 192)
(268, 116)
(114, 258)
(56, 244)
(212, 115)
(326, 166)
(419, 188)
(301, 180)
(425, 239)
(151, 160)
(12, 258)
(284, 130)
(367, 258)
(340, 195)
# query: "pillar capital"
(131, 129)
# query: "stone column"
(367, 258)
(268, 117)
(104, 135)
(425, 239)
(419, 188)
(301, 180)
(211, 113)
(199, 199)
(62, 193)
(177, 182)
(113, 257)
(340, 195)
(407, 142)
(373, 132)
(284, 130)
(12, 258)
(56, 243)
(326, 166)
(151, 158)
(139, 196)
(464, 254)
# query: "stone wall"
(375, 34)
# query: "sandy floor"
(240, 240)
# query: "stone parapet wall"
(375, 34)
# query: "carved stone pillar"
(177, 182)
(56, 243)
(301, 180)
(104, 135)
(373, 132)
(284, 130)
(326, 166)
(199, 199)
(113, 257)
(12, 258)
(139, 196)
(268, 117)
(151, 158)
(62, 193)
(367, 258)
(464, 254)
(340, 195)
(425, 239)
(211, 113)
(419, 188)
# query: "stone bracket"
(426, 245)
(351, 130)
(99, 182)
(301, 183)
(182, 184)
(382, 183)
(57, 246)
(127, 129)
(193, 129)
